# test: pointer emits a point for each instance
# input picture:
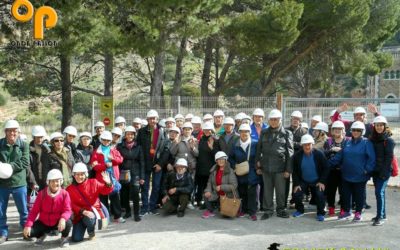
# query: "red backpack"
(395, 164)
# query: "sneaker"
(40, 240)
(207, 214)
(283, 214)
(53, 233)
(92, 236)
(240, 215)
(357, 217)
(64, 242)
(181, 214)
(120, 220)
(253, 217)
(137, 218)
(190, 206)
(378, 222)
(154, 212)
(127, 216)
(297, 214)
(331, 211)
(375, 218)
(344, 215)
(320, 217)
(266, 216)
(3, 239)
(143, 213)
(366, 206)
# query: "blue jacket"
(357, 158)
(254, 135)
(238, 155)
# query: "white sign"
(347, 115)
(390, 109)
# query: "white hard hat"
(179, 116)
(317, 118)
(71, 130)
(130, 129)
(170, 119)
(220, 154)
(119, 119)
(259, 112)
(332, 113)
(99, 124)
(246, 117)
(380, 119)
(360, 110)
(297, 114)
(275, 113)
(116, 131)
(207, 117)
(239, 116)
(187, 125)
(23, 137)
(245, 127)
(11, 124)
(304, 125)
(38, 131)
(137, 120)
(322, 126)
(196, 120)
(6, 170)
(56, 135)
(80, 167)
(219, 112)
(229, 121)
(338, 124)
(305, 139)
(85, 134)
(106, 135)
(144, 122)
(208, 125)
(189, 116)
(175, 128)
(162, 123)
(358, 125)
(152, 113)
(181, 162)
(54, 174)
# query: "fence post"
(179, 104)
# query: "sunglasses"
(356, 130)
(59, 140)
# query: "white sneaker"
(190, 206)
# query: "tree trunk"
(156, 85)
(205, 78)
(108, 74)
(66, 88)
(176, 91)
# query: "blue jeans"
(380, 187)
(79, 229)
(355, 191)
(20, 199)
(155, 190)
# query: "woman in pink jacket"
(53, 205)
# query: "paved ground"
(192, 232)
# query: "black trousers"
(39, 229)
(334, 183)
(114, 207)
(130, 192)
(201, 185)
(248, 194)
(176, 203)
(319, 197)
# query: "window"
(392, 74)
(387, 75)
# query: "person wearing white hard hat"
(169, 123)
(42, 220)
(359, 114)
(197, 131)
(38, 147)
(85, 150)
(137, 123)
(14, 161)
(99, 127)
(208, 118)
(108, 158)
(116, 136)
(229, 137)
(258, 124)
(131, 172)
(177, 189)
(218, 122)
(85, 202)
(71, 133)
(357, 161)
(320, 134)
(222, 182)
(274, 162)
(208, 147)
(244, 152)
(385, 160)
(246, 119)
(188, 117)
(314, 121)
(120, 122)
(152, 139)
(162, 123)
(332, 146)
(179, 120)
(310, 171)
(238, 121)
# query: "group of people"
(182, 162)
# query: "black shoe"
(376, 218)
(137, 218)
(154, 212)
(53, 233)
(366, 206)
(378, 222)
(126, 216)
(3, 239)
(283, 214)
(266, 216)
(181, 214)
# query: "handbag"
(243, 168)
(125, 176)
(229, 206)
(32, 199)
(115, 182)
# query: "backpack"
(395, 164)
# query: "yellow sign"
(39, 22)
(107, 111)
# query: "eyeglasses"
(356, 130)
(60, 140)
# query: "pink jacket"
(98, 156)
(49, 209)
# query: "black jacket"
(183, 186)
(384, 147)
(227, 146)
(95, 141)
(321, 163)
(206, 158)
(39, 176)
(297, 134)
(133, 159)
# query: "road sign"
(107, 111)
(107, 121)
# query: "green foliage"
(82, 104)
(3, 100)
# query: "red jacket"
(90, 189)
(101, 164)
(50, 209)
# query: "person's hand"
(336, 149)
(172, 191)
(110, 158)
(165, 199)
(177, 139)
(106, 177)
(296, 188)
(210, 142)
(343, 107)
(95, 163)
(61, 225)
(157, 168)
(286, 175)
(192, 143)
(35, 187)
(259, 172)
(170, 167)
(27, 232)
(372, 108)
(207, 195)
(258, 164)
(89, 214)
(141, 181)
(321, 186)
(109, 164)
(218, 188)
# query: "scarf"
(130, 145)
(66, 171)
(52, 195)
(106, 150)
(38, 150)
(245, 144)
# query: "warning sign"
(107, 111)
